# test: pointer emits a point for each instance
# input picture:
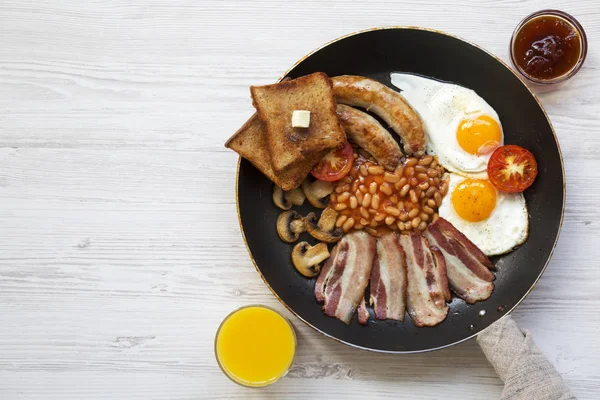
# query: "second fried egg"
(495, 221)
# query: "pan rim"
(562, 213)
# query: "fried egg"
(462, 128)
(495, 221)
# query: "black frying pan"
(376, 53)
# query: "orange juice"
(255, 346)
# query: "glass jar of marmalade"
(548, 46)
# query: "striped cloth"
(526, 373)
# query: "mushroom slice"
(317, 192)
(290, 225)
(295, 196)
(307, 258)
(279, 198)
(285, 200)
(324, 229)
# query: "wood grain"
(120, 251)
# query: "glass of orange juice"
(255, 346)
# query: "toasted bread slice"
(275, 105)
(250, 142)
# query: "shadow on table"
(319, 357)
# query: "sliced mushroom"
(324, 229)
(307, 258)
(317, 192)
(295, 196)
(290, 225)
(285, 200)
(279, 198)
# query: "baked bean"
(418, 192)
(373, 188)
(430, 191)
(363, 189)
(428, 209)
(360, 196)
(403, 181)
(422, 226)
(394, 200)
(333, 197)
(340, 206)
(373, 223)
(411, 162)
(413, 213)
(408, 171)
(400, 225)
(434, 218)
(371, 211)
(444, 187)
(431, 182)
(348, 224)
(342, 188)
(438, 198)
(422, 195)
(355, 186)
(358, 226)
(426, 160)
(366, 200)
(424, 217)
(440, 171)
(408, 206)
(342, 198)
(375, 170)
(422, 177)
(404, 190)
(353, 202)
(372, 231)
(413, 181)
(389, 220)
(379, 217)
(436, 181)
(423, 186)
(364, 212)
(375, 201)
(392, 210)
(340, 221)
(386, 188)
(399, 170)
(403, 216)
(432, 173)
(364, 222)
(391, 178)
(433, 164)
(407, 226)
(413, 196)
(364, 171)
(415, 222)
(420, 169)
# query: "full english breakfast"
(404, 222)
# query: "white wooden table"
(120, 250)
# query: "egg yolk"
(474, 199)
(480, 135)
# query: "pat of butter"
(300, 119)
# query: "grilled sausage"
(367, 133)
(386, 103)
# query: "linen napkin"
(526, 373)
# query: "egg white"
(442, 107)
(505, 228)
